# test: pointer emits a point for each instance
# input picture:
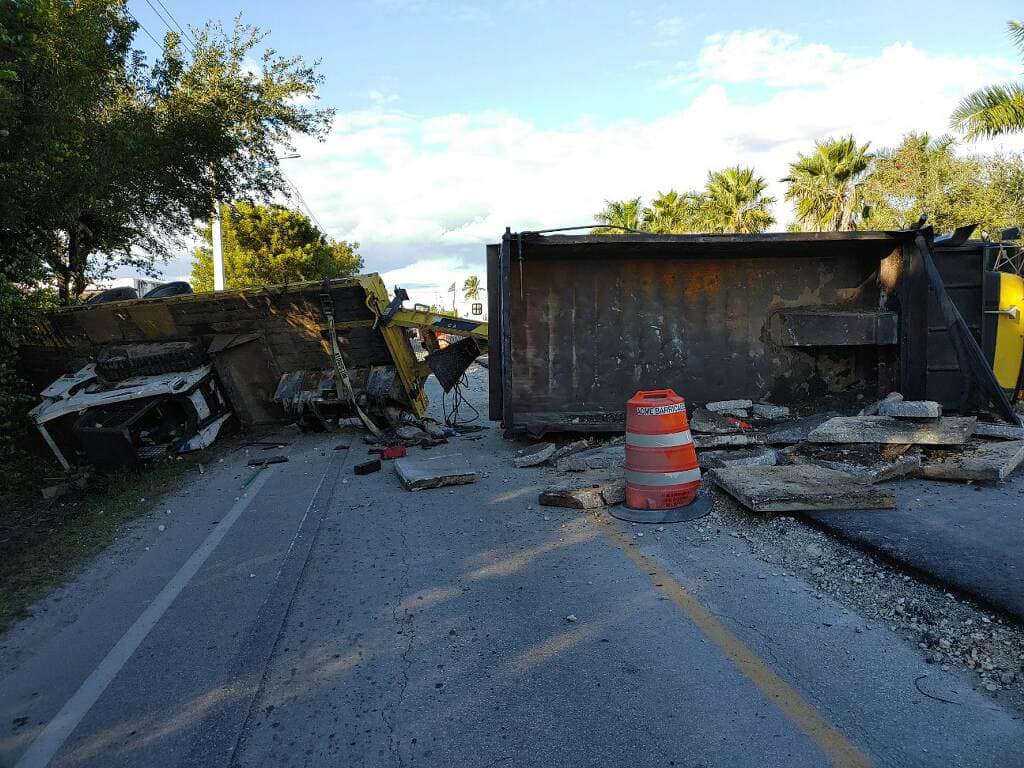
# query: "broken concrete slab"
(873, 408)
(767, 457)
(702, 442)
(1000, 431)
(769, 411)
(570, 448)
(949, 430)
(988, 462)
(589, 491)
(534, 455)
(799, 487)
(797, 430)
(878, 472)
(910, 409)
(419, 474)
(602, 457)
(728, 405)
(711, 423)
(739, 413)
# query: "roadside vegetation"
(841, 184)
(42, 542)
(271, 245)
(108, 158)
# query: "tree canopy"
(926, 175)
(733, 200)
(471, 288)
(996, 109)
(271, 245)
(108, 159)
(824, 185)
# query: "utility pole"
(218, 251)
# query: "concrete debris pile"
(770, 461)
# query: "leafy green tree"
(619, 216)
(825, 184)
(734, 200)
(996, 109)
(107, 160)
(672, 213)
(271, 245)
(471, 288)
(927, 175)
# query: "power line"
(182, 37)
(181, 29)
(143, 28)
(303, 203)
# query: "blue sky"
(458, 118)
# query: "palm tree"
(471, 288)
(734, 201)
(618, 216)
(826, 184)
(672, 213)
(996, 109)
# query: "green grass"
(42, 542)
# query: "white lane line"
(52, 737)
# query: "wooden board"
(949, 430)
(799, 487)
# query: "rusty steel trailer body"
(578, 323)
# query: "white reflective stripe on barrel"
(662, 478)
(669, 440)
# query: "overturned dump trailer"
(578, 323)
(257, 341)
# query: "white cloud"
(431, 191)
(775, 58)
(668, 31)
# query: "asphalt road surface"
(301, 615)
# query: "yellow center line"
(840, 751)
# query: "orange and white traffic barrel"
(662, 475)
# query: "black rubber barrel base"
(699, 507)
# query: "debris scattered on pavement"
(571, 618)
(409, 432)
(990, 461)
(723, 441)
(769, 412)
(795, 430)
(999, 431)
(367, 467)
(420, 474)
(868, 462)
(910, 409)
(265, 461)
(590, 490)
(722, 406)
(393, 452)
(531, 457)
(875, 407)
(949, 430)
(799, 487)
(570, 448)
(601, 457)
(744, 457)
(712, 423)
